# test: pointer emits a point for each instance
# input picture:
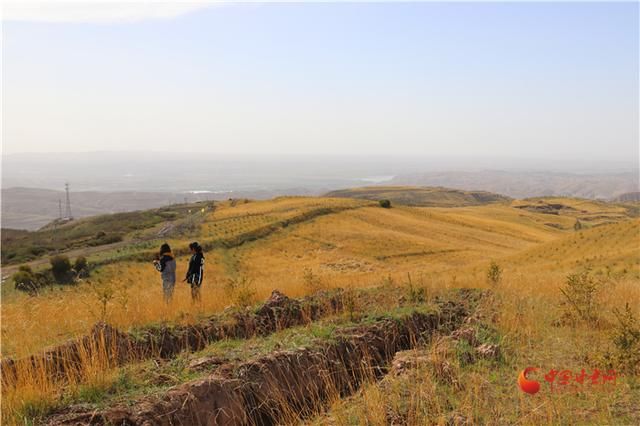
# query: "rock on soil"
(488, 351)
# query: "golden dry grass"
(362, 246)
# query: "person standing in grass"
(195, 270)
(165, 263)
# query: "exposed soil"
(348, 265)
(285, 385)
(116, 347)
(546, 208)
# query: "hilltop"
(421, 196)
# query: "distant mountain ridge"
(628, 197)
(606, 186)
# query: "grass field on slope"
(421, 196)
(355, 243)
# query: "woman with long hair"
(165, 263)
(195, 270)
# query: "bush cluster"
(61, 272)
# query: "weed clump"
(578, 225)
(240, 291)
(350, 303)
(415, 294)
(494, 273)
(385, 204)
(312, 282)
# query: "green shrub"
(61, 269)
(105, 239)
(385, 204)
(25, 281)
(37, 250)
(80, 264)
(25, 268)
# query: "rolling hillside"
(33, 208)
(388, 262)
(98, 231)
(421, 196)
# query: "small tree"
(494, 273)
(385, 204)
(61, 268)
(580, 292)
(626, 339)
(104, 293)
(578, 225)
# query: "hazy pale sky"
(545, 80)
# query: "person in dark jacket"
(195, 270)
(165, 263)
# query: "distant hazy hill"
(628, 197)
(530, 184)
(420, 196)
(32, 208)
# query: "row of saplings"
(62, 271)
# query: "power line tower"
(68, 214)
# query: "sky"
(524, 80)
